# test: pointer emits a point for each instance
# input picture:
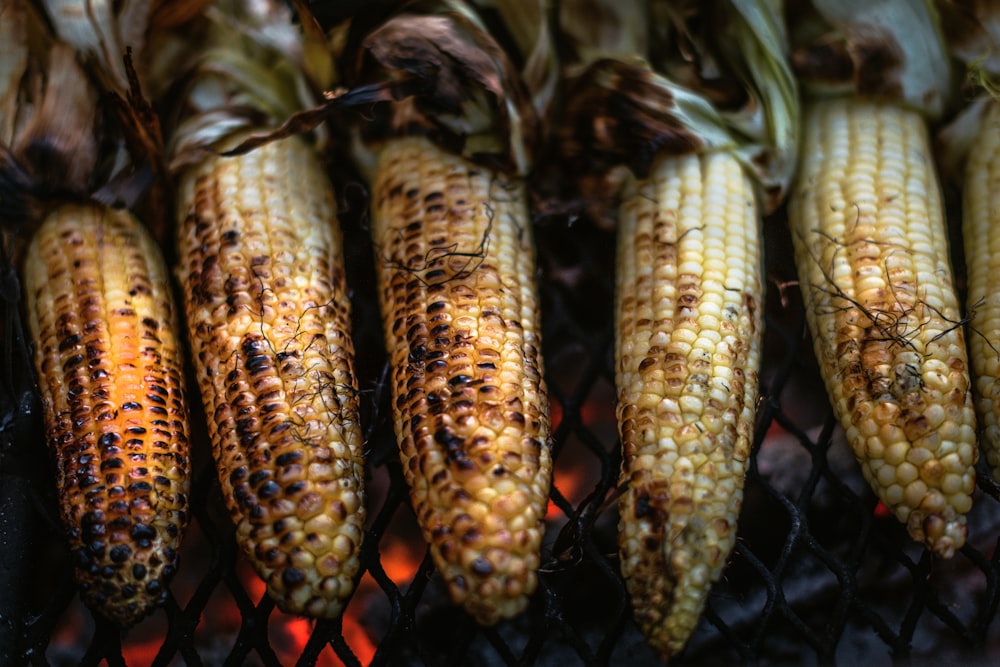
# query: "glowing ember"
(143, 653)
(555, 414)
(401, 559)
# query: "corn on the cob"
(455, 260)
(260, 261)
(872, 256)
(688, 315)
(110, 370)
(981, 233)
(689, 287)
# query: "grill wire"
(818, 575)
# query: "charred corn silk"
(456, 269)
(110, 371)
(872, 254)
(260, 260)
(688, 312)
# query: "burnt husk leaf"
(623, 117)
(889, 51)
(52, 147)
(433, 67)
(467, 92)
(716, 77)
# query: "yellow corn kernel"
(260, 261)
(688, 316)
(456, 267)
(110, 370)
(872, 257)
(981, 232)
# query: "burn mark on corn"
(454, 445)
(873, 63)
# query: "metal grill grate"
(818, 576)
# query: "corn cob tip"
(125, 592)
(308, 564)
(490, 564)
(941, 532)
(670, 560)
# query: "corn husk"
(730, 90)
(972, 33)
(892, 50)
(51, 122)
(433, 67)
(248, 73)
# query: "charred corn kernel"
(981, 233)
(456, 270)
(688, 315)
(260, 261)
(110, 371)
(872, 257)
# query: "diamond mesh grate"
(818, 576)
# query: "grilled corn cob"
(981, 204)
(269, 320)
(456, 272)
(689, 286)
(110, 371)
(871, 251)
(689, 327)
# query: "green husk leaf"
(249, 73)
(972, 32)
(316, 60)
(13, 65)
(890, 50)
(527, 23)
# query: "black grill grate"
(818, 575)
